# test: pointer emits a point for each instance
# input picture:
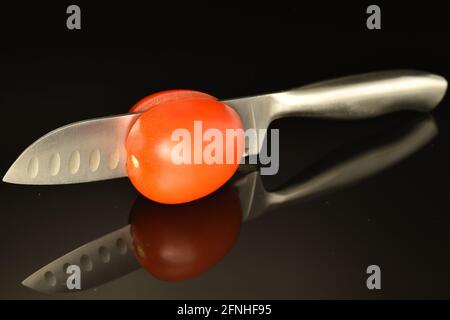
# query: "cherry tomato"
(163, 173)
(179, 242)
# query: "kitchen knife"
(111, 257)
(93, 150)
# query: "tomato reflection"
(179, 242)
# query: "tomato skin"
(157, 98)
(179, 242)
(150, 165)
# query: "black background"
(50, 76)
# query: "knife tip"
(19, 173)
(6, 177)
(36, 283)
(27, 282)
(9, 176)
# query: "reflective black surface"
(320, 248)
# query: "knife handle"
(362, 96)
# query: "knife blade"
(94, 149)
(83, 151)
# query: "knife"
(110, 257)
(95, 149)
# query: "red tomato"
(151, 149)
(179, 242)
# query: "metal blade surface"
(84, 151)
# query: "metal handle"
(362, 96)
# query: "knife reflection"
(179, 242)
